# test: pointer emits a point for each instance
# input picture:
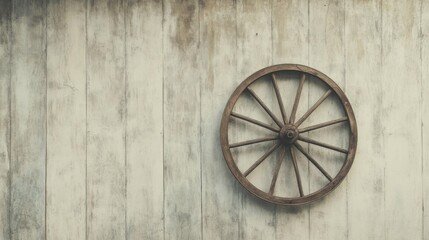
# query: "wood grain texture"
(256, 218)
(401, 103)
(144, 145)
(110, 112)
(5, 54)
(182, 153)
(218, 57)
(28, 120)
(425, 113)
(363, 64)
(66, 121)
(291, 46)
(106, 117)
(326, 53)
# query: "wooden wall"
(110, 113)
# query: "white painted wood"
(28, 120)
(144, 145)
(219, 79)
(290, 45)
(126, 110)
(182, 153)
(326, 53)
(401, 102)
(256, 218)
(425, 112)
(365, 192)
(5, 54)
(66, 121)
(106, 117)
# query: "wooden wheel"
(288, 137)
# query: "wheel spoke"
(258, 140)
(311, 159)
(295, 166)
(261, 159)
(276, 170)
(321, 125)
(256, 122)
(312, 141)
(276, 120)
(297, 97)
(279, 98)
(317, 104)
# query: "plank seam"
(10, 118)
(125, 10)
(421, 119)
(46, 116)
(86, 119)
(236, 72)
(308, 106)
(240, 195)
(163, 122)
(345, 91)
(200, 144)
(382, 69)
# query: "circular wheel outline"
(305, 70)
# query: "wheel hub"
(288, 134)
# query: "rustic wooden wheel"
(288, 134)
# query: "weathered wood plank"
(328, 217)
(5, 54)
(218, 45)
(425, 114)
(144, 145)
(106, 117)
(401, 102)
(28, 120)
(182, 163)
(66, 120)
(365, 185)
(256, 218)
(290, 45)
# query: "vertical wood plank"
(66, 120)
(218, 53)
(290, 32)
(256, 218)
(328, 217)
(144, 120)
(28, 120)
(425, 114)
(290, 45)
(182, 163)
(5, 54)
(401, 102)
(365, 185)
(106, 117)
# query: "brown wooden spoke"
(253, 141)
(317, 104)
(322, 125)
(325, 145)
(256, 122)
(276, 120)
(295, 167)
(279, 98)
(261, 159)
(297, 97)
(277, 169)
(314, 162)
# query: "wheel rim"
(288, 130)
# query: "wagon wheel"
(288, 136)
